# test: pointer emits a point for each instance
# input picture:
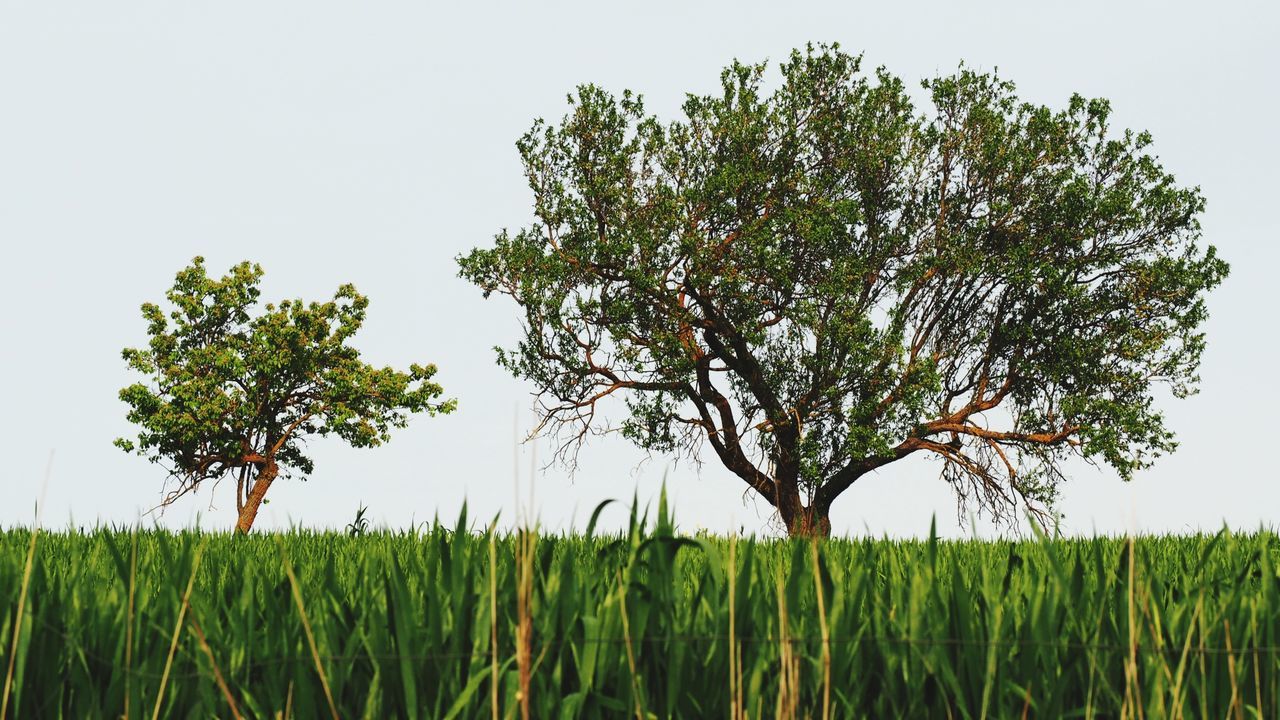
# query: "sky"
(373, 142)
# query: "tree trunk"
(260, 484)
(802, 521)
(809, 522)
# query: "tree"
(820, 280)
(232, 393)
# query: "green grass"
(647, 623)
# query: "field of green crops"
(446, 622)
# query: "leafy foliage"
(823, 279)
(231, 391)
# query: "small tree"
(822, 280)
(233, 393)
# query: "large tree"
(234, 393)
(819, 279)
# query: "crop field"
(464, 623)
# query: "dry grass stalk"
(493, 624)
(17, 622)
(526, 545)
(826, 634)
(789, 670)
(311, 638)
(177, 631)
(217, 672)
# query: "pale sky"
(372, 143)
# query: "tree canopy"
(231, 392)
(816, 278)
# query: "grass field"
(444, 622)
